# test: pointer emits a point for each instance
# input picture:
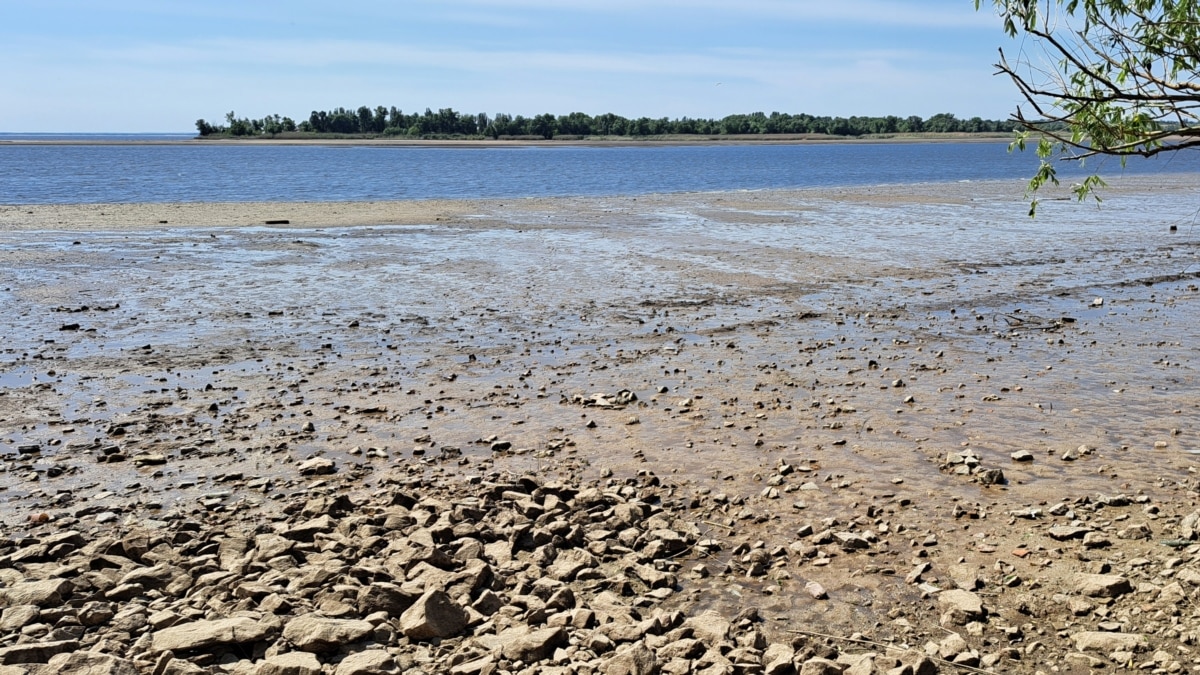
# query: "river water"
(115, 173)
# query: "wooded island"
(447, 123)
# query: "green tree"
(543, 125)
(1113, 77)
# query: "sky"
(159, 65)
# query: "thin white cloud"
(949, 13)
(728, 63)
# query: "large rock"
(961, 606)
(710, 628)
(17, 617)
(433, 615)
(204, 634)
(46, 593)
(1189, 527)
(321, 634)
(91, 663)
(636, 659)
(535, 645)
(36, 652)
(1107, 643)
(819, 666)
(777, 659)
(291, 663)
(369, 662)
(1102, 585)
(384, 597)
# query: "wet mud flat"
(889, 392)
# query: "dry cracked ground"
(887, 430)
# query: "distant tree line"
(448, 123)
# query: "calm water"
(37, 174)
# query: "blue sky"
(158, 65)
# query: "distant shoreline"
(614, 142)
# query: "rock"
(635, 659)
(710, 628)
(991, 477)
(1022, 456)
(433, 615)
(307, 530)
(961, 606)
(384, 597)
(203, 634)
(17, 617)
(1102, 585)
(320, 634)
(850, 541)
(533, 646)
(1189, 527)
(777, 659)
(816, 590)
(965, 577)
(820, 666)
(915, 663)
(1107, 643)
(91, 663)
(1065, 532)
(36, 652)
(952, 645)
(290, 663)
(317, 466)
(367, 663)
(46, 593)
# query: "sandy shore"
(541, 211)
(912, 396)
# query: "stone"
(36, 652)
(433, 615)
(1107, 643)
(535, 645)
(777, 659)
(91, 663)
(204, 634)
(290, 663)
(952, 645)
(1065, 532)
(1189, 527)
(486, 663)
(1102, 585)
(850, 541)
(710, 628)
(307, 530)
(635, 659)
(384, 597)
(820, 666)
(317, 466)
(367, 663)
(17, 617)
(46, 593)
(816, 590)
(319, 634)
(962, 606)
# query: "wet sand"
(864, 335)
